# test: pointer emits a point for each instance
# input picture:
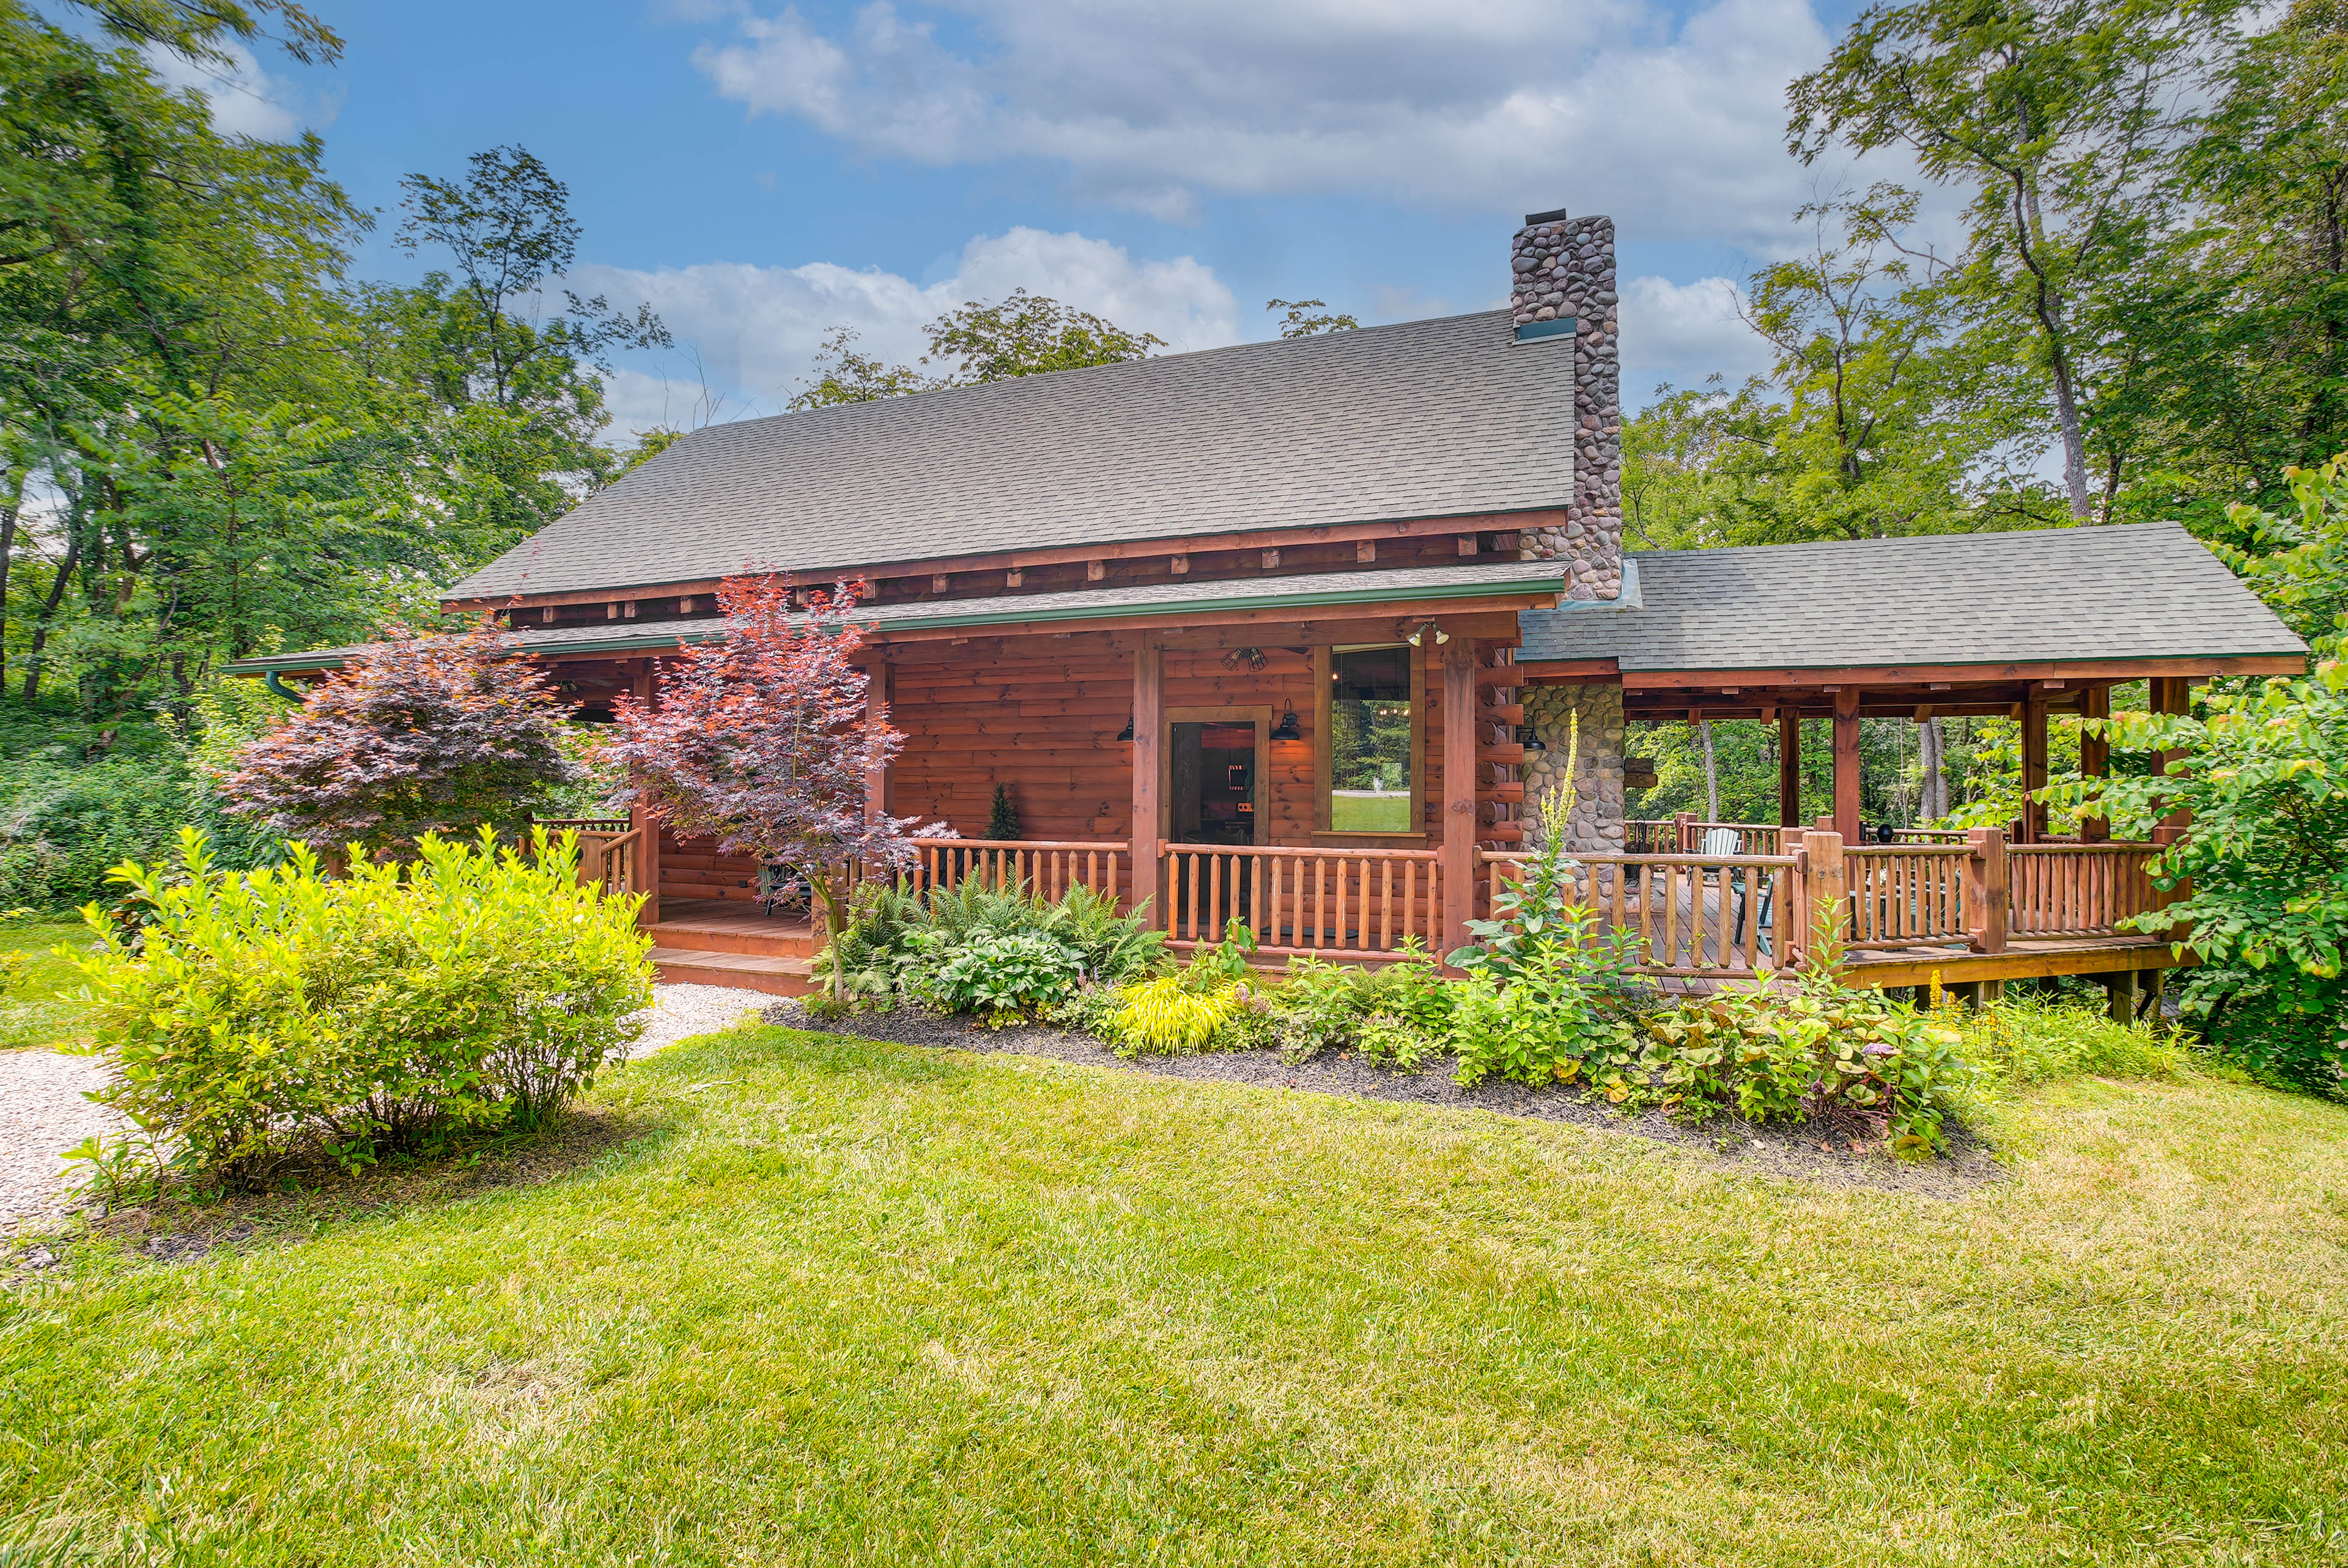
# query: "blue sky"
(761, 172)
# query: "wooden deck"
(2023, 958)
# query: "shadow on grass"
(183, 1226)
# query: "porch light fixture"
(1441, 636)
(1286, 729)
(1125, 733)
(1529, 741)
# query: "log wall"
(1043, 716)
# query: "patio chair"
(1727, 841)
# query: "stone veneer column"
(1595, 826)
(1565, 267)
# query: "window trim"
(1324, 763)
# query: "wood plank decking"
(724, 942)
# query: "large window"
(1370, 757)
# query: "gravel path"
(42, 1111)
(1804, 1151)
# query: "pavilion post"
(1148, 770)
(648, 847)
(2172, 694)
(2096, 758)
(1789, 767)
(1987, 895)
(1457, 850)
(2033, 767)
(1846, 763)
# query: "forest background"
(215, 440)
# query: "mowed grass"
(838, 1302)
(1370, 813)
(34, 1013)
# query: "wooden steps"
(724, 942)
(742, 971)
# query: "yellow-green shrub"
(1162, 1016)
(278, 1015)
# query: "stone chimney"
(1564, 270)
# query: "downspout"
(271, 681)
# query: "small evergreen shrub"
(278, 1017)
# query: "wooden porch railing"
(1685, 833)
(1350, 903)
(611, 852)
(2078, 889)
(1691, 914)
(1048, 868)
(1903, 894)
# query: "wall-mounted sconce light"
(1126, 733)
(1417, 638)
(1286, 729)
(1529, 741)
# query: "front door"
(1212, 784)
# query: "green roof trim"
(1482, 580)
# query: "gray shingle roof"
(2148, 590)
(1365, 589)
(1419, 420)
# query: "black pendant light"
(1286, 729)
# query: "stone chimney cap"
(1556, 217)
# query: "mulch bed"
(1840, 1152)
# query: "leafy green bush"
(938, 947)
(1777, 1057)
(1552, 1008)
(278, 1016)
(1001, 976)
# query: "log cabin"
(1295, 634)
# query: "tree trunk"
(48, 614)
(1931, 757)
(1710, 775)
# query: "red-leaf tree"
(418, 734)
(762, 741)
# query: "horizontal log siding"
(1045, 721)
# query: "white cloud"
(1682, 333)
(1476, 105)
(245, 99)
(747, 334)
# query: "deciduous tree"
(762, 740)
(427, 734)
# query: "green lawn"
(30, 1014)
(1370, 813)
(835, 1302)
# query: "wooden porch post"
(1789, 767)
(648, 848)
(1845, 764)
(1986, 894)
(2096, 758)
(1827, 886)
(876, 712)
(2172, 694)
(1149, 727)
(2034, 765)
(1457, 849)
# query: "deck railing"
(1048, 868)
(1350, 903)
(1904, 895)
(1715, 915)
(1685, 833)
(611, 852)
(2078, 889)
